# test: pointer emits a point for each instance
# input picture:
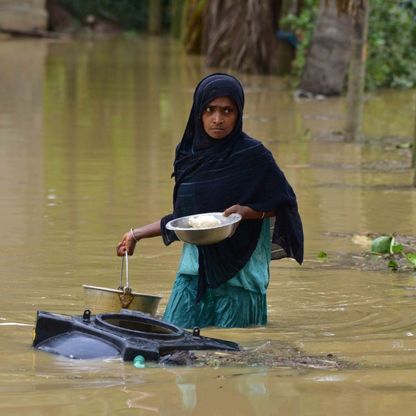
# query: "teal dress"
(239, 302)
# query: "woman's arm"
(248, 213)
(133, 236)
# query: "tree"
(192, 37)
(177, 20)
(359, 10)
(155, 22)
(414, 153)
(335, 49)
(240, 35)
(327, 61)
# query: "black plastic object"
(125, 334)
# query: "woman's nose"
(217, 117)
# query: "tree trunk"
(192, 39)
(414, 153)
(240, 35)
(177, 7)
(356, 76)
(59, 18)
(327, 61)
(155, 12)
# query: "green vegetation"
(322, 255)
(391, 60)
(302, 25)
(387, 245)
(392, 44)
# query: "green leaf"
(382, 245)
(412, 258)
(396, 248)
(322, 255)
(404, 145)
(393, 265)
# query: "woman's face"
(219, 117)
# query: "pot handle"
(124, 259)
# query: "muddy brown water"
(87, 135)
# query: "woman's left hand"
(246, 213)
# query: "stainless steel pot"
(101, 299)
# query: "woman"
(218, 167)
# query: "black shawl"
(213, 174)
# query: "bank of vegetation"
(279, 34)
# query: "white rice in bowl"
(203, 221)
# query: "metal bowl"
(205, 236)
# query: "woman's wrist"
(134, 236)
(146, 231)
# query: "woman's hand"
(127, 244)
(246, 213)
(130, 238)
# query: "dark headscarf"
(213, 174)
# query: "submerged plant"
(387, 245)
(322, 255)
(411, 257)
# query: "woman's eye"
(208, 109)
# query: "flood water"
(88, 130)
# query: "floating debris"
(271, 354)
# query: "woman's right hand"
(127, 244)
(128, 241)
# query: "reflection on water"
(87, 136)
